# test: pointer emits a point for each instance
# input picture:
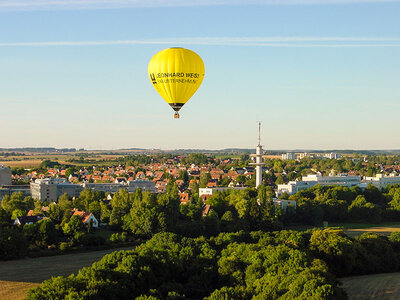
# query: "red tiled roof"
(184, 197)
(82, 214)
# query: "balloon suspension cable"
(176, 115)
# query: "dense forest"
(242, 265)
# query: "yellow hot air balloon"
(176, 74)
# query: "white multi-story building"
(332, 155)
(5, 176)
(304, 155)
(50, 189)
(313, 179)
(289, 155)
(381, 181)
(292, 187)
(344, 180)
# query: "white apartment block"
(304, 155)
(289, 155)
(50, 189)
(313, 179)
(332, 155)
(344, 180)
(381, 181)
(292, 187)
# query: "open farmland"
(377, 286)
(34, 160)
(15, 290)
(28, 163)
(18, 276)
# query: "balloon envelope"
(176, 74)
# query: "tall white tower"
(259, 162)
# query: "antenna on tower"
(259, 133)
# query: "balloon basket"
(176, 115)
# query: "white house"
(86, 218)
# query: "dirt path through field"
(378, 286)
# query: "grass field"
(364, 225)
(18, 276)
(377, 286)
(11, 290)
(356, 229)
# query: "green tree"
(65, 202)
(17, 201)
(47, 232)
(280, 180)
(183, 175)
(240, 179)
(205, 177)
(12, 243)
(336, 249)
(95, 209)
(361, 210)
(395, 199)
(5, 218)
(73, 227)
(56, 213)
(69, 172)
(105, 212)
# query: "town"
(197, 175)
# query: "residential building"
(5, 176)
(27, 220)
(304, 155)
(10, 189)
(292, 187)
(313, 179)
(381, 181)
(341, 179)
(288, 155)
(332, 155)
(86, 217)
(184, 198)
(50, 189)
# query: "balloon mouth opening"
(176, 106)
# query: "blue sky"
(319, 76)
